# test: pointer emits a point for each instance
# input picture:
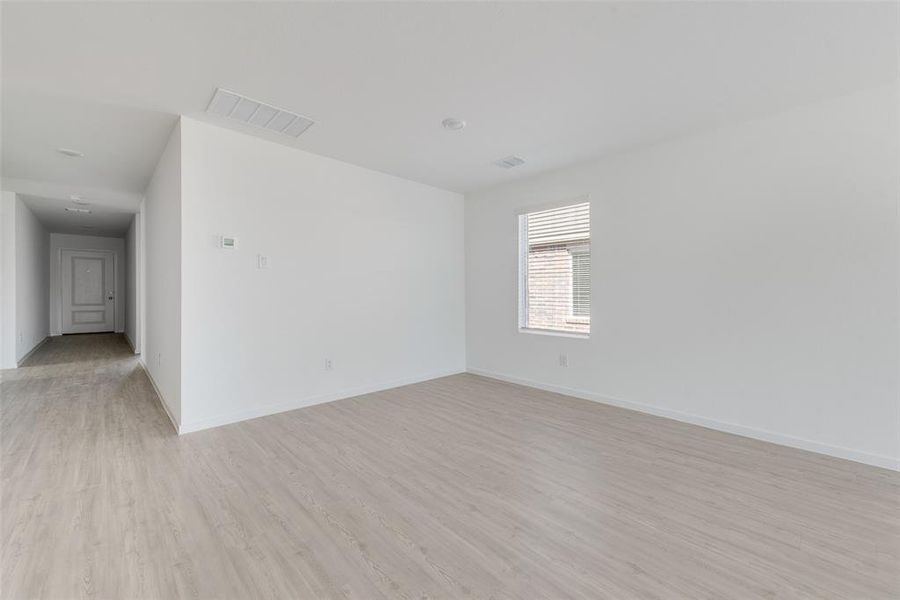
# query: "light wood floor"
(461, 487)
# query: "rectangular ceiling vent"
(509, 162)
(258, 114)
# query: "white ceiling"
(103, 220)
(554, 83)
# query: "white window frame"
(522, 260)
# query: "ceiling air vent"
(258, 114)
(509, 162)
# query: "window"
(581, 281)
(555, 269)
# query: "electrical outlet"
(563, 360)
(329, 366)
(21, 336)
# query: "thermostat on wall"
(229, 243)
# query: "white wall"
(744, 279)
(162, 277)
(132, 293)
(65, 241)
(7, 280)
(32, 281)
(366, 269)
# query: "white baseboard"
(162, 399)
(32, 351)
(279, 407)
(781, 439)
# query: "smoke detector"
(509, 162)
(236, 107)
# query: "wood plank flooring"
(461, 487)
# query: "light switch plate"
(262, 261)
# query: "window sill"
(555, 332)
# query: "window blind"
(556, 264)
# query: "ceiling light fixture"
(258, 114)
(509, 162)
(78, 200)
(70, 152)
(72, 209)
(453, 124)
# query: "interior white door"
(88, 291)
